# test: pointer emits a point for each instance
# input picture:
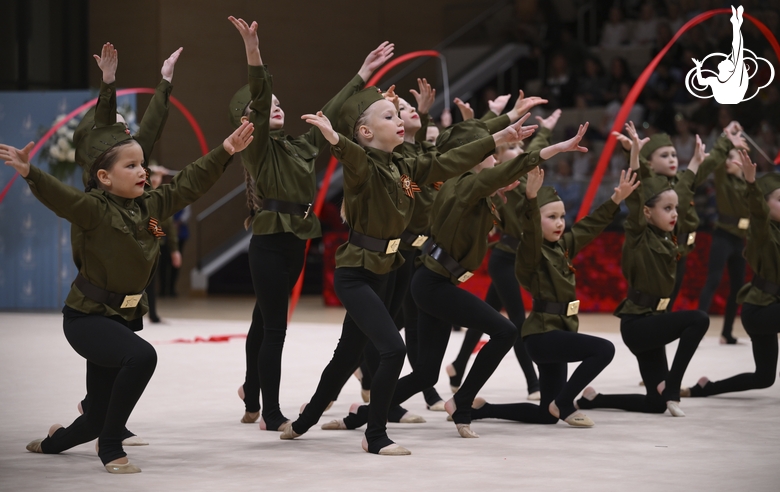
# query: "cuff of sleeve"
(544, 133)
(221, 155)
(33, 175)
(107, 88)
(258, 71)
(165, 86)
(535, 158)
(340, 146)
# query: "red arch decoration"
(633, 94)
(122, 92)
(320, 200)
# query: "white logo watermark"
(730, 84)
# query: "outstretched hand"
(376, 59)
(323, 123)
(425, 97)
(391, 96)
(239, 139)
(107, 62)
(534, 183)
(501, 192)
(626, 141)
(498, 104)
(524, 105)
(734, 133)
(17, 159)
(635, 145)
(550, 121)
(514, 132)
(573, 144)
(628, 183)
(251, 43)
(699, 155)
(167, 68)
(465, 109)
(748, 166)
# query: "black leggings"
(504, 291)
(119, 366)
(275, 261)
(726, 250)
(363, 294)
(552, 351)
(441, 305)
(646, 337)
(762, 324)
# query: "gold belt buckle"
(419, 241)
(392, 246)
(691, 238)
(131, 301)
(743, 223)
(662, 304)
(573, 308)
(465, 277)
(308, 210)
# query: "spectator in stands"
(674, 15)
(619, 73)
(590, 85)
(559, 84)
(766, 139)
(644, 32)
(684, 140)
(616, 31)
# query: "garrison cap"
(656, 142)
(547, 194)
(356, 105)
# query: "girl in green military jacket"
(728, 240)
(115, 235)
(649, 264)
(281, 185)
(760, 298)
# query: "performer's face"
(732, 163)
(277, 115)
(663, 213)
(508, 151)
(664, 161)
(553, 220)
(409, 115)
(774, 205)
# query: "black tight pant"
(119, 366)
(504, 291)
(363, 294)
(646, 337)
(726, 250)
(552, 351)
(275, 261)
(762, 324)
(441, 305)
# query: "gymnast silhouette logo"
(730, 84)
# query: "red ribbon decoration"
(332, 163)
(622, 115)
(138, 90)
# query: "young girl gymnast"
(116, 249)
(728, 240)
(281, 185)
(760, 298)
(544, 268)
(379, 194)
(649, 264)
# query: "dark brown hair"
(106, 161)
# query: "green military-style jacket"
(375, 202)
(171, 238)
(283, 166)
(544, 269)
(113, 247)
(763, 248)
(650, 255)
(420, 222)
(463, 213)
(730, 193)
(511, 211)
(689, 221)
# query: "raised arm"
(156, 114)
(759, 210)
(67, 202)
(351, 155)
(529, 251)
(105, 109)
(636, 221)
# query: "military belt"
(282, 207)
(449, 263)
(387, 246)
(413, 240)
(509, 240)
(560, 308)
(740, 222)
(103, 296)
(646, 300)
(765, 285)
